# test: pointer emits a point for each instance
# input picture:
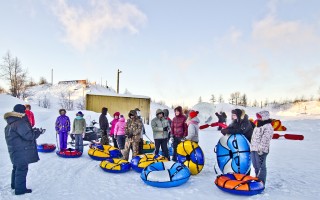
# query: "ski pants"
(79, 142)
(104, 138)
(121, 140)
(19, 177)
(164, 147)
(63, 138)
(259, 165)
(176, 141)
(135, 148)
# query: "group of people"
(128, 135)
(259, 137)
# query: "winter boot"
(23, 192)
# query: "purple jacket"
(120, 127)
(63, 123)
(113, 125)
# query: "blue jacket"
(21, 139)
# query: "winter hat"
(132, 113)
(193, 114)
(116, 114)
(62, 110)
(263, 115)
(19, 108)
(240, 113)
(79, 114)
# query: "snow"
(293, 166)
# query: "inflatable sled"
(115, 165)
(277, 125)
(69, 153)
(239, 184)
(148, 147)
(165, 174)
(233, 154)
(46, 148)
(191, 155)
(103, 152)
(140, 162)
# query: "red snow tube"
(46, 148)
(69, 153)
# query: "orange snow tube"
(240, 184)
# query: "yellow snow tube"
(142, 161)
(148, 147)
(277, 125)
(104, 152)
(191, 155)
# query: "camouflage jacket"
(134, 126)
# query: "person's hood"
(195, 120)
(122, 119)
(159, 111)
(132, 112)
(240, 114)
(265, 115)
(116, 114)
(11, 117)
(179, 108)
(165, 112)
(104, 111)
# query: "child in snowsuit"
(79, 130)
(30, 115)
(193, 127)
(178, 130)
(120, 133)
(63, 128)
(260, 144)
(160, 127)
(113, 125)
(133, 134)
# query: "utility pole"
(118, 74)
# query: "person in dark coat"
(240, 124)
(179, 130)
(222, 118)
(22, 146)
(104, 126)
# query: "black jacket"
(221, 117)
(21, 139)
(103, 122)
(242, 126)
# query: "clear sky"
(174, 51)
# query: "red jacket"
(179, 126)
(30, 116)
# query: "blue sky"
(174, 51)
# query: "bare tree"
(221, 100)
(255, 103)
(2, 90)
(31, 83)
(232, 98)
(65, 101)
(43, 81)
(244, 100)
(237, 97)
(12, 72)
(213, 98)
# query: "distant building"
(84, 82)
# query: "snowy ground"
(293, 167)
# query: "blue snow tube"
(69, 153)
(233, 154)
(165, 174)
(142, 161)
(115, 165)
(46, 148)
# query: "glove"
(183, 139)
(165, 128)
(130, 135)
(42, 131)
(224, 131)
(260, 153)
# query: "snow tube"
(233, 154)
(191, 155)
(148, 147)
(277, 125)
(140, 162)
(69, 153)
(46, 148)
(103, 152)
(165, 174)
(239, 184)
(115, 165)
